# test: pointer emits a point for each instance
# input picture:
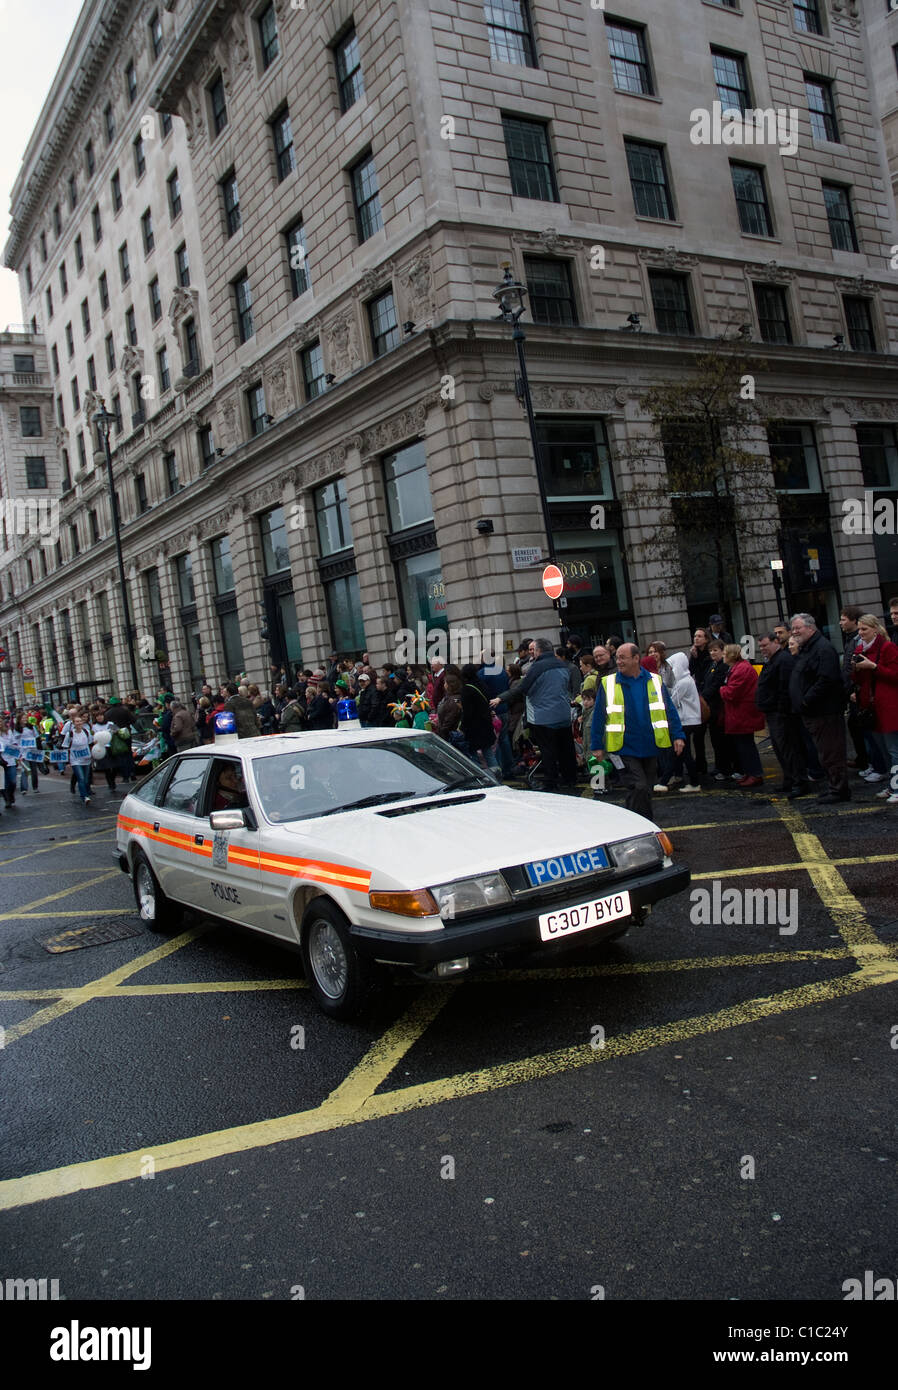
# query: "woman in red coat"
(742, 718)
(874, 669)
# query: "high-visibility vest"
(615, 713)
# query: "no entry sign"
(553, 581)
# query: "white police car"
(382, 845)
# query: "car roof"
(271, 744)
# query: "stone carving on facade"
(856, 284)
(266, 496)
(190, 109)
(131, 359)
(792, 407)
(667, 257)
(343, 340)
(546, 239)
(227, 429)
(416, 280)
(239, 44)
(92, 402)
(846, 12)
(395, 430)
(771, 271)
(572, 398)
(278, 393)
(376, 278)
(305, 333)
(184, 302)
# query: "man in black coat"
(818, 695)
(772, 696)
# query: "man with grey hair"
(546, 690)
(818, 696)
(634, 717)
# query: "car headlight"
(471, 894)
(640, 853)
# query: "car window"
(227, 789)
(184, 788)
(149, 787)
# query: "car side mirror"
(228, 820)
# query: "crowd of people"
(630, 721)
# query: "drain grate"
(74, 938)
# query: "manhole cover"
(74, 938)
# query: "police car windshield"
(324, 781)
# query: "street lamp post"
(776, 570)
(103, 420)
(510, 298)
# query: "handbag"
(705, 708)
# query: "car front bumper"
(517, 926)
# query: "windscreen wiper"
(377, 799)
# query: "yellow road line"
(811, 866)
(26, 910)
(145, 991)
(78, 1177)
(387, 1052)
(67, 912)
(766, 820)
(54, 825)
(48, 849)
(91, 991)
(42, 873)
(844, 908)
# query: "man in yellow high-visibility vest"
(634, 716)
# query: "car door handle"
(155, 825)
(198, 840)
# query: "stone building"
(340, 452)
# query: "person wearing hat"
(717, 629)
(366, 702)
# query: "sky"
(33, 36)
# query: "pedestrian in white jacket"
(684, 694)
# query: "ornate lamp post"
(104, 419)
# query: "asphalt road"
(696, 1112)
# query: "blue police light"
(348, 714)
(225, 726)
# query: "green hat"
(114, 700)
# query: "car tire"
(337, 975)
(157, 912)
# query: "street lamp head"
(776, 565)
(104, 420)
(509, 295)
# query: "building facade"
(333, 448)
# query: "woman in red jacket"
(874, 669)
(742, 718)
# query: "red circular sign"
(27, 671)
(553, 581)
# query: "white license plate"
(568, 920)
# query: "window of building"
(29, 280)
(146, 231)
(155, 297)
(648, 180)
(76, 395)
(63, 280)
(140, 158)
(23, 362)
(131, 83)
(859, 318)
(878, 448)
(35, 472)
(793, 454)
(629, 57)
(510, 32)
(96, 224)
(773, 313)
(807, 16)
(115, 184)
(173, 482)
(191, 348)
(166, 124)
(109, 123)
(66, 472)
(268, 36)
(131, 326)
(842, 232)
(116, 404)
(103, 287)
(222, 566)
(551, 290)
(54, 359)
(73, 192)
(163, 370)
(312, 371)
(85, 318)
(283, 144)
(529, 160)
(82, 451)
(751, 200)
(575, 459)
(91, 373)
(94, 526)
(174, 195)
(182, 265)
(822, 109)
(243, 299)
(205, 446)
(30, 421)
(382, 321)
(124, 263)
(90, 162)
(332, 518)
(69, 340)
(110, 353)
(671, 302)
(349, 69)
(408, 487)
(184, 576)
(231, 201)
(49, 298)
(43, 246)
(57, 220)
(79, 254)
(60, 412)
(155, 28)
(255, 405)
(296, 258)
(218, 105)
(273, 532)
(731, 78)
(140, 487)
(366, 197)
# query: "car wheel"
(338, 976)
(157, 911)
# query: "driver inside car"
(230, 790)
